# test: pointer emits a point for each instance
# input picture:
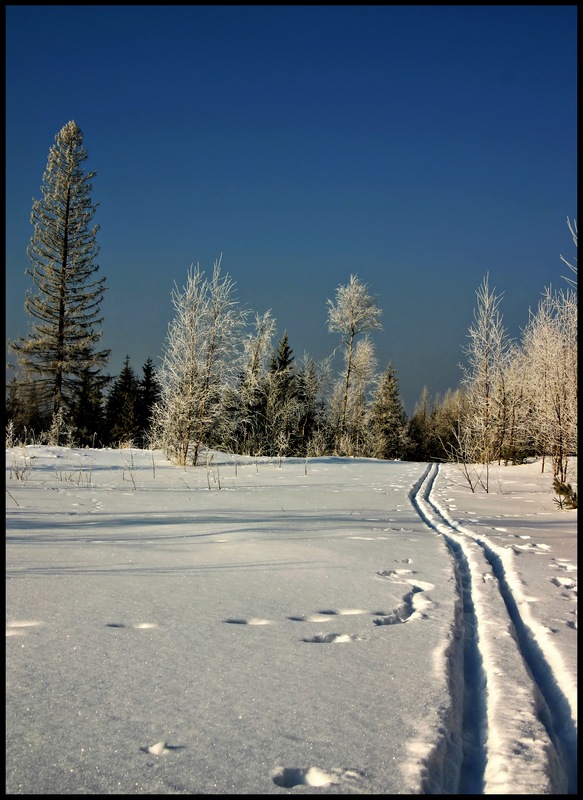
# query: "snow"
(286, 626)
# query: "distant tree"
(243, 417)
(122, 415)
(87, 405)
(148, 395)
(62, 251)
(354, 312)
(282, 407)
(27, 411)
(388, 420)
(314, 436)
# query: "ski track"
(512, 725)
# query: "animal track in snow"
(288, 777)
(250, 621)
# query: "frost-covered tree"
(314, 436)
(354, 312)
(483, 422)
(573, 267)
(351, 405)
(549, 371)
(282, 407)
(242, 420)
(388, 420)
(200, 361)
(550, 352)
(65, 303)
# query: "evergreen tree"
(62, 251)
(148, 396)
(388, 419)
(87, 409)
(122, 414)
(30, 417)
(242, 421)
(282, 408)
(312, 433)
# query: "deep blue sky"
(416, 147)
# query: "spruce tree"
(283, 411)
(148, 396)
(61, 344)
(87, 409)
(122, 415)
(388, 419)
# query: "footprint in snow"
(330, 638)
(288, 777)
(137, 626)
(161, 748)
(17, 628)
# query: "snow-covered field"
(336, 626)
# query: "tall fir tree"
(282, 411)
(388, 420)
(87, 409)
(122, 416)
(148, 396)
(61, 345)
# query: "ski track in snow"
(513, 725)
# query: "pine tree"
(88, 409)
(388, 419)
(282, 411)
(61, 344)
(25, 409)
(149, 395)
(313, 436)
(121, 413)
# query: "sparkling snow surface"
(266, 626)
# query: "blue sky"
(416, 147)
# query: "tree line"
(225, 383)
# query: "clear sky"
(416, 147)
